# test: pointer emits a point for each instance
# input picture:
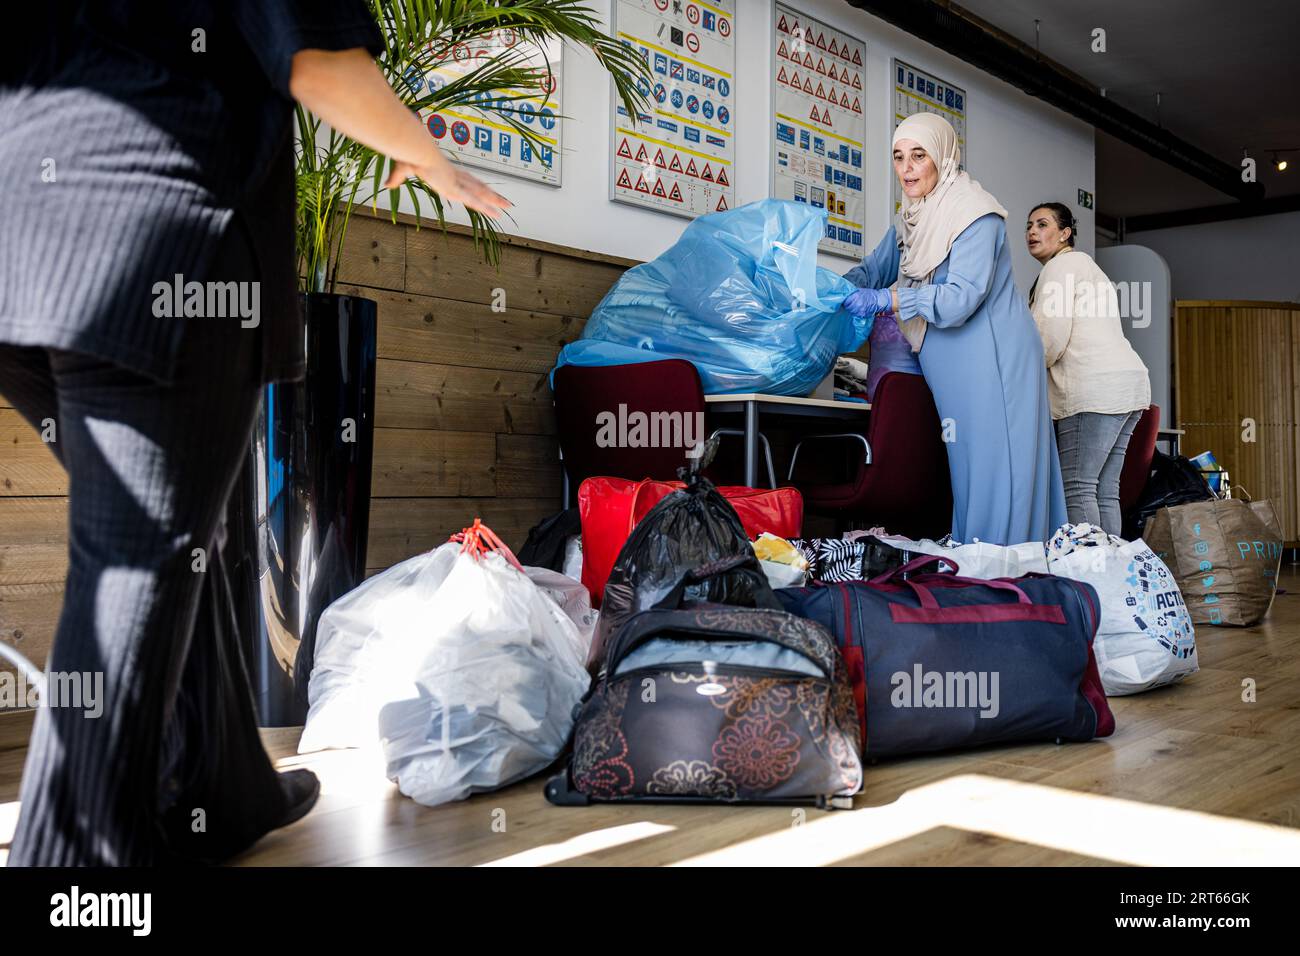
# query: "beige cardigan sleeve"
(1053, 309)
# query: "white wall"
(1240, 259)
(1021, 150)
(1151, 337)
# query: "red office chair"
(899, 474)
(1137, 460)
(668, 386)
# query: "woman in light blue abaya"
(979, 349)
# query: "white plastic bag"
(979, 559)
(573, 557)
(571, 595)
(1146, 638)
(460, 667)
(783, 575)
(783, 564)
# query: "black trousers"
(172, 769)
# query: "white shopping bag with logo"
(1146, 638)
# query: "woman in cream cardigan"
(1097, 385)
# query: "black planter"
(300, 512)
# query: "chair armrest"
(852, 436)
(767, 449)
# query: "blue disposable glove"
(864, 302)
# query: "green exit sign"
(1085, 199)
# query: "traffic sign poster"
(481, 138)
(680, 156)
(819, 125)
(916, 91)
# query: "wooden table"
(1171, 435)
(749, 403)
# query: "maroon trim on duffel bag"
(1091, 686)
(977, 614)
(929, 612)
(855, 663)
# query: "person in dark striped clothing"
(146, 140)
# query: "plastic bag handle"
(927, 599)
(478, 539)
(923, 593)
(913, 565)
(745, 564)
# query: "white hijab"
(927, 227)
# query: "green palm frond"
(335, 172)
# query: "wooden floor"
(1193, 775)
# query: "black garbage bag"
(879, 557)
(1174, 481)
(684, 532)
(546, 541)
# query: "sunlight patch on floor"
(8, 824)
(1089, 825)
(353, 775)
(583, 844)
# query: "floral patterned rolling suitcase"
(711, 702)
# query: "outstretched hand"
(452, 183)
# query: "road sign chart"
(481, 138)
(680, 156)
(819, 125)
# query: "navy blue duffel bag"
(940, 662)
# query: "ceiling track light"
(1280, 162)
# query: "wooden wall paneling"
(33, 563)
(1261, 360)
(458, 398)
(1293, 322)
(27, 465)
(528, 467)
(29, 614)
(450, 267)
(1238, 361)
(424, 328)
(403, 527)
(374, 254)
(423, 463)
(1281, 478)
(33, 540)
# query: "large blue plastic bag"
(740, 295)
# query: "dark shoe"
(215, 844)
(301, 791)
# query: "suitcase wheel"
(559, 793)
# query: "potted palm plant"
(300, 514)
(336, 173)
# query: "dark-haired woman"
(1097, 385)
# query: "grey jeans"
(1092, 447)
